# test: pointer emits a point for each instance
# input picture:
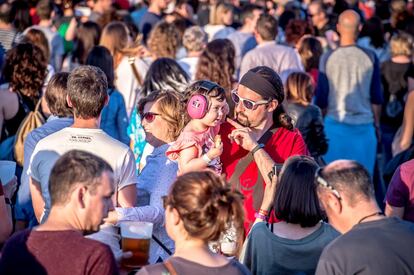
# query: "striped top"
(9, 38)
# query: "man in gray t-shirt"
(371, 243)
(353, 101)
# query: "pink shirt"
(203, 141)
(401, 189)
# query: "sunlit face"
(163, 4)
(228, 18)
(314, 14)
(246, 117)
(98, 203)
(256, 15)
(106, 4)
(156, 127)
(216, 113)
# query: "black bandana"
(259, 84)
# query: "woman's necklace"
(369, 216)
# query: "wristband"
(206, 158)
(264, 212)
(260, 216)
(255, 149)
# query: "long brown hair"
(115, 37)
(299, 88)
(216, 63)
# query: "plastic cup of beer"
(136, 237)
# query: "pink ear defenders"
(197, 105)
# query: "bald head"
(351, 179)
(348, 21)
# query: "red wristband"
(261, 216)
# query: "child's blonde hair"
(401, 44)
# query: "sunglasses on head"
(149, 116)
(247, 103)
(324, 183)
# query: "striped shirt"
(9, 38)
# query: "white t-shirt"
(94, 141)
(189, 65)
(126, 82)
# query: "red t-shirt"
(65, 252)
(401, 190)
(280, 146)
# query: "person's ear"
(272, 105)
(70, 104)
(334, 203)
(175, 216)
(81, 196)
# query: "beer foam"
(136, 231)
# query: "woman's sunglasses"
(149, 116)
(247, 103)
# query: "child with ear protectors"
(199, 147)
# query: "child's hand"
(216, 151)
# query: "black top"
(375, 247)
(394, 77)
(11, 126)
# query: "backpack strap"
(131, 61)
(246, 160)
(161, 245)
(168, 265)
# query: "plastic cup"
(7, 170)
(136, 237)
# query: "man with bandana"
(260, 136)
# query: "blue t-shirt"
(148, 21)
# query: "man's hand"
(243, 136)
(112, 217)
(269, 194)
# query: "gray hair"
(194, 39)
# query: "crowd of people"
(257, 136)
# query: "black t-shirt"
(394, 77)
(378, 247)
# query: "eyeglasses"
(324, 183)
(247, 103)
(149, 116)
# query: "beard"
(242, 119)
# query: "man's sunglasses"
(324, 183)
(149, 116)
(247, 103)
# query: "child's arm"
(188, 160)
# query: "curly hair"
(25, 69)
(216, 63)
(164, 40)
